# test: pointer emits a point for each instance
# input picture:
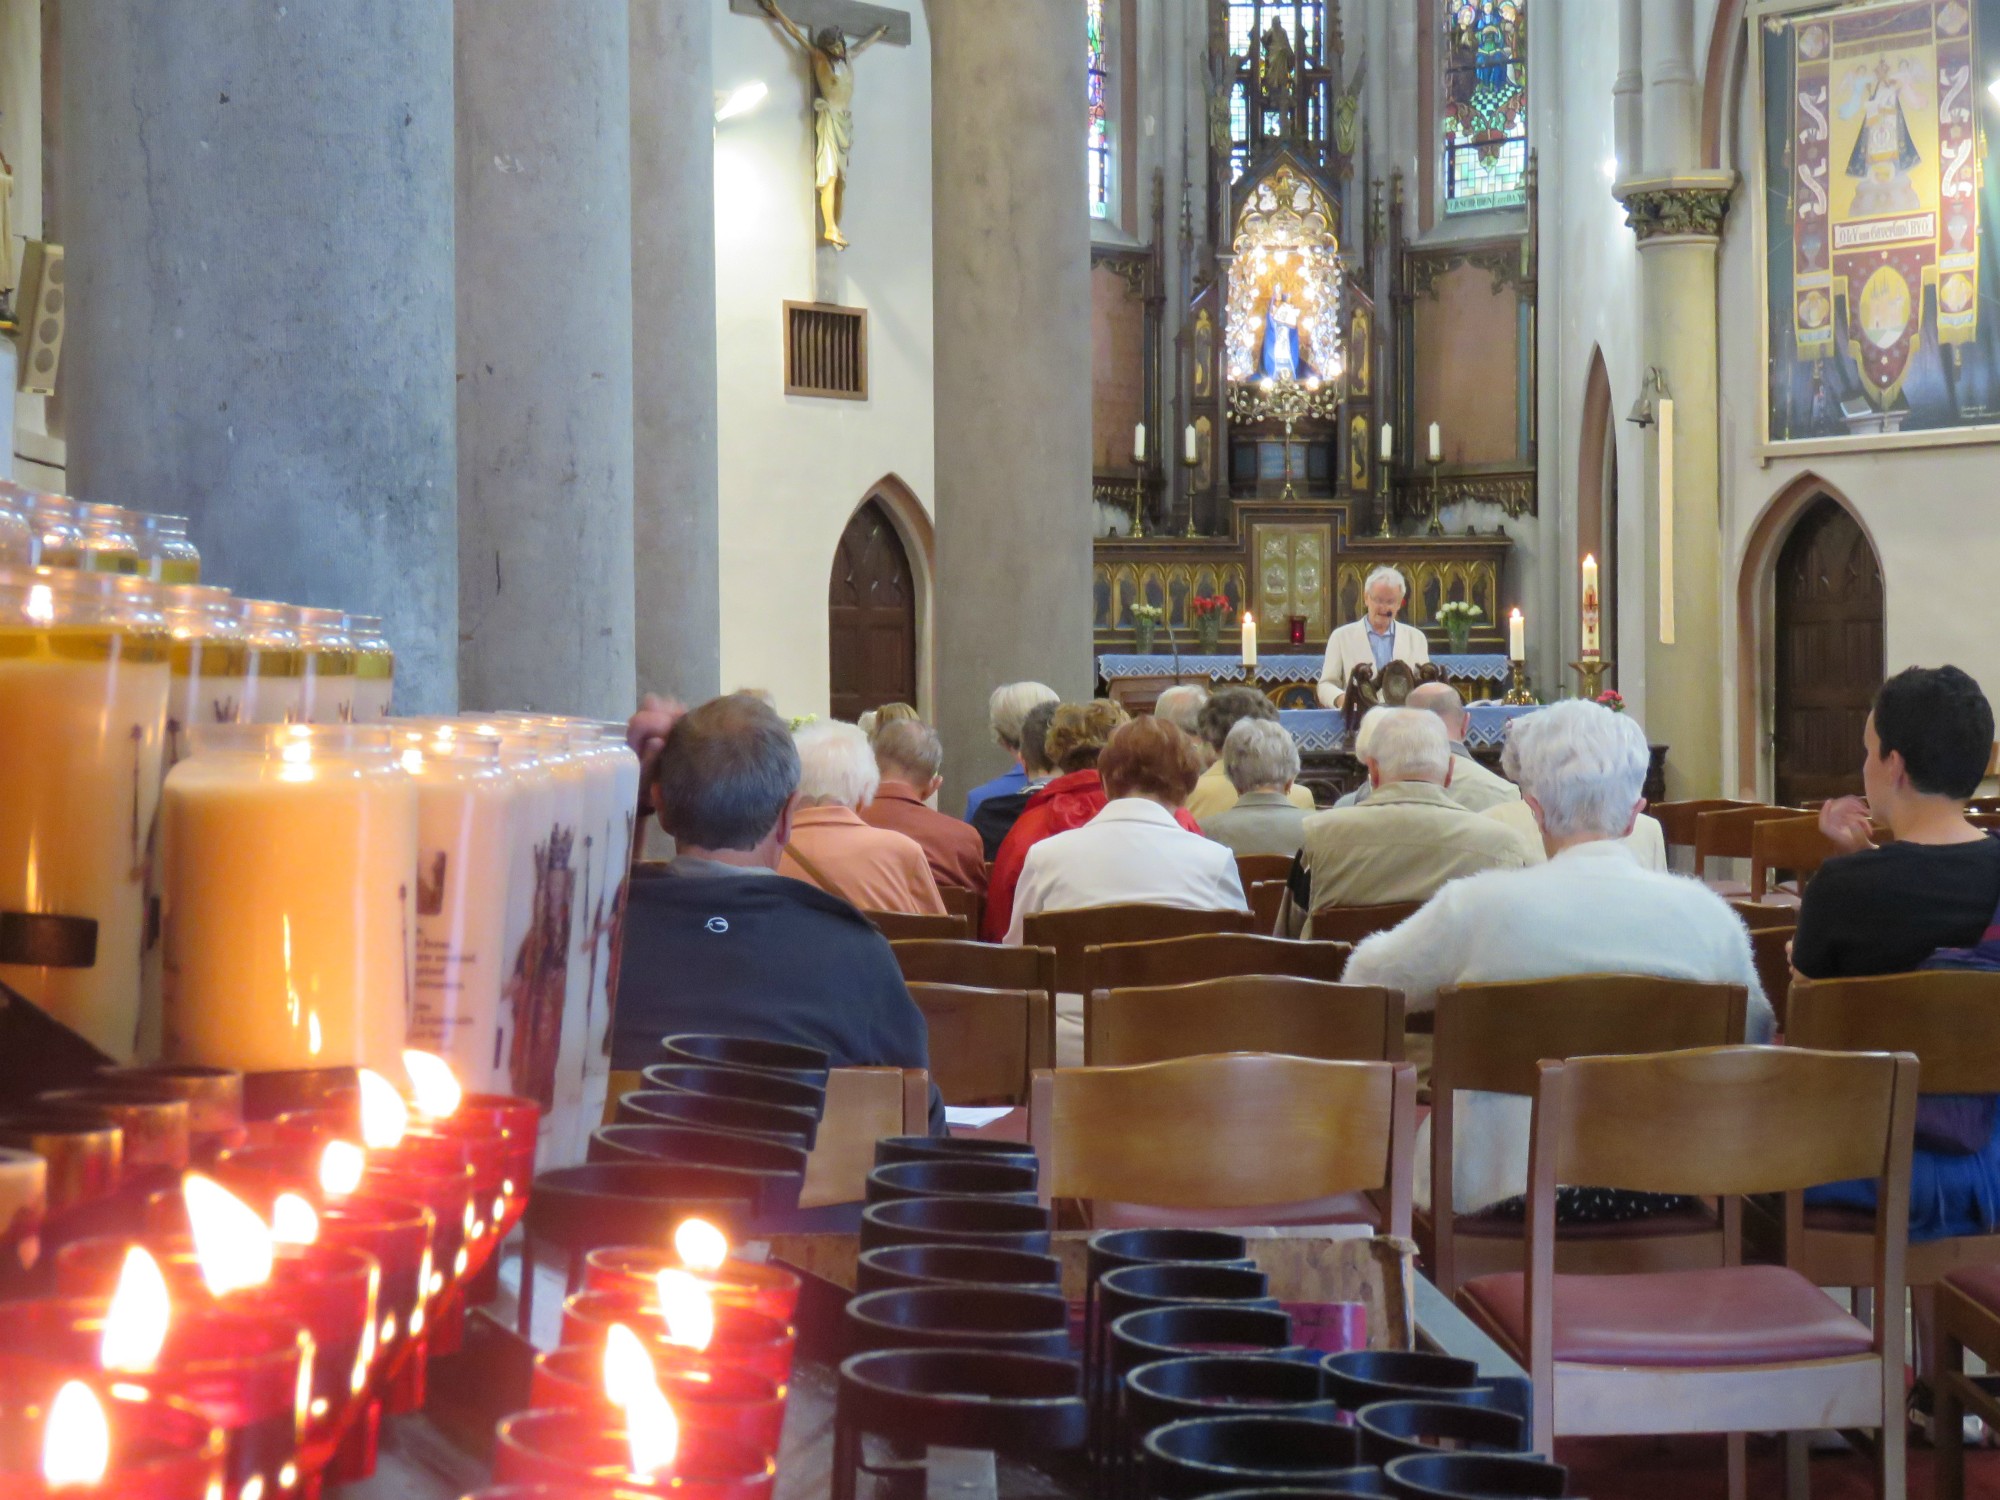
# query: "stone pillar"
(8, 375)
(1673, 93)
(1012, 327)
(544, 357)
(1627, 93)
(257, 208)
(675, 494)
(1679, 222)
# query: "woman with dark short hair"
(1134, 848)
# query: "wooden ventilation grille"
(826, 351)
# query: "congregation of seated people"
(1549, 868)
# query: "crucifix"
(831, 57)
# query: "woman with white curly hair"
(1592, 909)
(875, 869)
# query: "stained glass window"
(1484, 121)
(1301, 23)
(1100, 128)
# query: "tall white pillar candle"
(1517, 637)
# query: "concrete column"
(1673, 93)
(257, 207)
(1627, 93)
(8, 375)
(544, 356)
(1679, 222)
(673, 349)
(1012, 326)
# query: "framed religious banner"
(1875, 223)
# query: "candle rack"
(1590, 675)
(1519, 692)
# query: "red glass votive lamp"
(240, 1371)
(161, 1449)
(737, 1404)
(214, 1097)
(1298, 630)
(583, 1447)
(631, 1269)
(583, 1489)
(743, 1340)
(519, 1121)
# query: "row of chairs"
(1773, 839)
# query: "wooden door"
(1829, 651)
(871, 617)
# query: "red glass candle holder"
(157, 1131)
(577, 1446)
(631, 1269)
(161, 1449)
(214, 1097)
(737, 1404)
(239, 1371)
(519, 1122)
(743, 1340)
(581, 1490)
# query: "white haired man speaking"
(1374, 640)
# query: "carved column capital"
(1681, 208)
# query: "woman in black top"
(1887, 910)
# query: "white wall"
(793, 469)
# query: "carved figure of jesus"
(833, 111)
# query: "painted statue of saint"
(1280, 69)
(833, 111)
(1884, 152)
(1281, 339)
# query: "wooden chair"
(1987, 820)
(1243, 1131)
(1771, 952)
(1676, 819)
(1138, 695)
(1794, 844)
(1070, 932)
(1490, 1037)
(1735, 1348)
(1725, 834)
(960, 902)
(1350, 924)
(1949, 1020)
(1209, 955)
(1254, 869)
(1267, 900)
(862, 1106)
(1968, 1317)
(896, 925)
(1250, 1013)
(981, 1040)
(990, 966)
(1759, 914)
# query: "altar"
(1290, 681)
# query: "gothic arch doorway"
(871, 616)
(1828, 638)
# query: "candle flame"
(685, 1305)
(293, 1221)
(412, 761)
(627, 1365)
(135, 1328)
(76, 1444)
(231, 1243)
(437, 1089)
(1589, 560)
(700, 1245)
(340, 1168)
(384, 1115)
(652, 1432)
(41, 606)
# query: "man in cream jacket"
(1374, 640)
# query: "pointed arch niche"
(890, 499)
(1597, 501)
(1807, 500)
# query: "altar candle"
(1191, 444)
(1437, 444)
(1388, 442)
(1517, 637)
(1139, 444)
(1591, 636)
(1249, 639)
(84, 680)
(289, 856)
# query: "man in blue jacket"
(721, 942)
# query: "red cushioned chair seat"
(1700, 1220)
(1980, 1283)
(1743, 1315)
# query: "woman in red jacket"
(1076, 737)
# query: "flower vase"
(1459, 636)
(1208, 633)
(1142, 636)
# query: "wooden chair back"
(1209, 955)
(1757, 915)
(1350, 924)
(862, 1106)
(960, 902)
(1250, 1013)
(1139, 695)
(1241, 1130)
(1948, 1019)
(1252, 869)
(1794, 844)
(1267, 901)
(981, 1041)
(897, 925)
(1771, 952)
(1987, 820)
(989, 966)
(1725, 832)
(1676, 819)
(1492, 1037)
(1071, 932)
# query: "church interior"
(1152, 748)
